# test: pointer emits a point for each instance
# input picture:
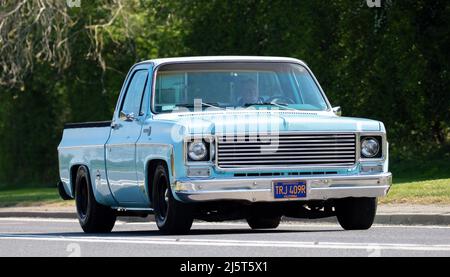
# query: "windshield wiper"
(280, 105)
(189, 105)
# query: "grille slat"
(258, 150)
(284, 141)
(284, 149)
(259, 154)
(225, 138)
(292, 157)
(300, 161)
(244, 145)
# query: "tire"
(259, 222)
(93, 217)
(171, 216)
(356, 213)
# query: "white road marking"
(220, 242)
(243, 224)
(296, 224)
(233, 243)
(37, 219)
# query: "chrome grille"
(286, 150)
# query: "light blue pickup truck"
(224, 138)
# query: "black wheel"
(264, 222)
(93, 217)
(356, 213)
(171, 216)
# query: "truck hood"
(267, 121)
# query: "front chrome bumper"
(261, 189)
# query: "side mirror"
(127, 116)
(337, 110)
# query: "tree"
(62, 64)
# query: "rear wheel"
(264, 222)
(171, 215)
(93, 217)
(356, 213)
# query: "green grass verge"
(10, 197)
(425, 180)
(419, 192)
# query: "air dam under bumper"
(261, 189)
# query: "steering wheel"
(276, 100)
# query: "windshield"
(183, 87)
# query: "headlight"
(197, 150)
(370, 147)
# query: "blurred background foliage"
(66, 64)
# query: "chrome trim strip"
(300, 160)
(115, 145)
(258, 154)
(81, 146)
(250, 144)
(143, 144)
(133, 209)
(309, 137)
(286, 149)
(317, 166)
(281, 139)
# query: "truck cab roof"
(157, 62)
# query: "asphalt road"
(63, 237)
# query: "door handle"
(148, 131)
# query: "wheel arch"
(150, 171)
(73, 176)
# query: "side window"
(170, 88)
(133, 97)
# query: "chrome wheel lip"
(166, 196)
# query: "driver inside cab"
(249, 93)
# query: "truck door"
(121, 146)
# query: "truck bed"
(84, 144)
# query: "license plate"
(289, 189)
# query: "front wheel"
(93, 217)
(171, 216)
(356, 213)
